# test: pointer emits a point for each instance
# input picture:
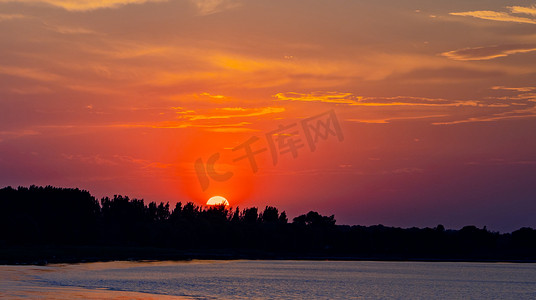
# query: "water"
(276, 280)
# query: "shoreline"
(18, 282)
(44, 255)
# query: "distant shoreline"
(30, 255)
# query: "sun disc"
(217, 200)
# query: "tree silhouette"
(250, 215)
(44, 217)
(269, 215)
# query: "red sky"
(436, 103)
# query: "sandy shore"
(19, 282)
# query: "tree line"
(43, 216)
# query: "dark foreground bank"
(48, 225)
(44, 255)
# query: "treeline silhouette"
(46, 217)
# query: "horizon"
(232, 209)
(406, 114)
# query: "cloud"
(486, 53)
(90, 159)
(31, 90)
(354, 100)
(523, 10)
(84, 5)
(524, 96)
(517, 89)
(528, 112)
(209, 95)
(232, 130)
(128, 49)
(17, 134)
(209, 7)
(28, 73)
(242, 113)
(408, 170)
(209, 127)
(389, 120)
(495, 16)
(327, 97)
(115, 160)
(502, 161)
(9, 17)
(153, 125)
(68, 29)
(220, 70)
(503, 16)
(385, 110)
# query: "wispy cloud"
(354, 100)
(17, 133)
(114, 160)
(486, 53)
(208, 7)
(224, 113)
(84, 5)
(208, 127)
(385, 110)
(29, 73)
(523, 96)
(327, 97)
(389, 120)
(232, 129)
(209, 95)
(154, 125)
(502, 161)
(531, 10)
(31, 90)
(503, 16)
(516, 89)
(528, 112)
(408, 170)
(129, 49)
(90, 159)
(9, 17)
(68, 29)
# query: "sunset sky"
(436, 102)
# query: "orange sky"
(436, 101)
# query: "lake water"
(244, 279)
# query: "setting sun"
(217, 200)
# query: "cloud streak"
(487, 53)
(385, 110)
(354, 100)
(242, 113)
(523, 10)
(9, 17)
(17, 134)
(29, 73)
(517, 89)
(326, 97)
(528, 112)
(389, 120)
(84, 5)
(209, 7)
(503, 16)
